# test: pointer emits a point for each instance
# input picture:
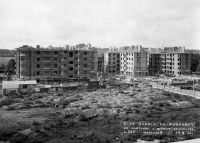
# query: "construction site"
(83, 94)
(94, 112)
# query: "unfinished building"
(133, 61)
(176, 61)
(56, 64)
(112, 62)
(154, 61)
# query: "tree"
(10, 68)
(198, 69)
(2, 68)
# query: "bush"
(6, 133)
(82, 117)
(19, 138)
(36, 126)
(5, 101)
(166, 93)
(137, 111)
(71, 123)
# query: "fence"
(178, 90)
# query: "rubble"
(98, 110)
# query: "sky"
(103, 23)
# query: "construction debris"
(99, 111)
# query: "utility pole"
(193, 86)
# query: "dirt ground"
(93, 116)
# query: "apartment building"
(79, 62)
(56, 64)
(112, 62)
(100, 60)
(176, 61)
(38, 63)
(133, 61)
(154, 61)
(195, 59)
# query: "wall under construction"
(57, 64)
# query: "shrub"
(5, 101)
(71, 123)
(19, 138)
(137, 111)
(36, 126)
(82, 117)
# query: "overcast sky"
(103, 23)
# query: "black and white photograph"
(99, 71)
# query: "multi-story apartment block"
(38, 63)
(176, 61)
(100, 60)
(56, 64)
(79, 62)
(154, 61)
(133, 61)
(195, 60)
(112, 62)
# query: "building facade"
(56, 64)
(79, 63)
(100, 60)
(112, 62)
(154, 61)
(133, 61)
(154, 64)
(175, 61)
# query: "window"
(71, 62)
(25, 86)
(71, 54)
(22, 58)
(46, 72)
(38, 59)
(47, 65)
(85, 72)
(55, 72)
(38, 66)
(85, 59)
(55, 65)
(38, 73)
(55, 52)
(64, 65)
(85, 65)
(55, 59)
(38, 52)
(85, 53)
